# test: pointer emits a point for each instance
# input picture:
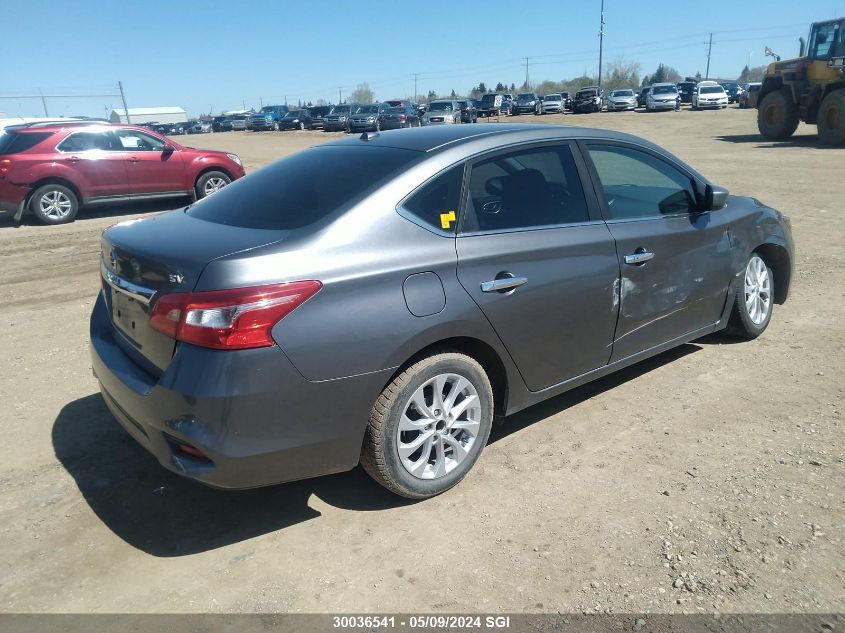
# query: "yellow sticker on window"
(446, 219)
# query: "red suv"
(54, 168)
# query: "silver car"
(552, 104)
(622, 100)
(442, 111)
(664, 96)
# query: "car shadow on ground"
(97, 211)
(810, 140)
(166, 515)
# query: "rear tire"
(211, 182)
(777, 116)
(54, 204)
(753, 304)
(831, 121)
(441, 451)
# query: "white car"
(552, 103)
(709, 94)
(622, 100)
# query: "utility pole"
(43, 102)
(526, 70)
(415, 86)
(261, 101)
(123, 98)
(709, 50)
(339, 95)
(601, 39)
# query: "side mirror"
(168, 149)
(715, 197)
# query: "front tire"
(54, 204)
(211, 182)
(752, 308)
(777, 116)
(831, 122)
(429, 426)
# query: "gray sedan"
(442, 111)
(448, 275)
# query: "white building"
(163, 114)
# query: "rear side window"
(84, 141)
(524, 190)
(436, 203)
(16, 143)
(302, 189)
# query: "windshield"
(488, 97)
(582, 94)
(525, 96)
(441, 106)
(290, 193)
(709, 90)
(622, 93)
(730, 86)
(552, 98)
(664, 90)
(344, 109)
(368, 109)
(295, 113)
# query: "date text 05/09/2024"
(371, 622)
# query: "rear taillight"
(401, 117)
(5, 164)
(240, 318)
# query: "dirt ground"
(710, 478)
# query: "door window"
(134, 141)
(435, 204)
(639, 185)
(822, 44)
(524, 190)
(84, 141)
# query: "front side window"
(637, 184)
(525, 189)
(822, 44)
(134, 141)
(436, 203)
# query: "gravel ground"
(708, 479)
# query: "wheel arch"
(777, 258)
(477, 349)
(207, 168)
(831, 87)
(54, 180)
(770, 84)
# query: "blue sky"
(219, 55)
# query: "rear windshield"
(709, 90)
(290, 193)
(439, 105)
(525, 96)
(664, 90)
(14, 143)
(622, 93)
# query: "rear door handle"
(132, 159)
(502, 284)
(641, 256)
(73, 159)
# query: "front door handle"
(132, 159)
(503, 284)
(639, 257)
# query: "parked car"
(526, 103)
(709, 94)
(642, 96)
(400, 116)
(442, 111)
(338, 119)
(663, 96)
(733, 90)
(507, 103)
(622, 100)
(553, 104)
(217, 123)
(267, 118)
(750, 97)
(200, 127)
(685, 90)
(231, 358)
(488, 105)
(296, 120)
(589, 99)
(318, 113)
(567, 100)
(239, 122)
(469, 114)
(54, 169)
(367, 118)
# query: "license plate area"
(129, 316)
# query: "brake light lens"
(240, 318)
(4, 166)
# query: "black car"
(401, 116)
(468, 112)
(641, 97)
(685, 89)
(317, 114)
(589, 99)
(216, 123)
(734, 91)
(297, 120)
(567, 100)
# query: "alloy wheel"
(55, 205)
(439, 426)
(758, 297)
(213, 185)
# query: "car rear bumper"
(250, 411)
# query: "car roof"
(664, 83)
(430, 139)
